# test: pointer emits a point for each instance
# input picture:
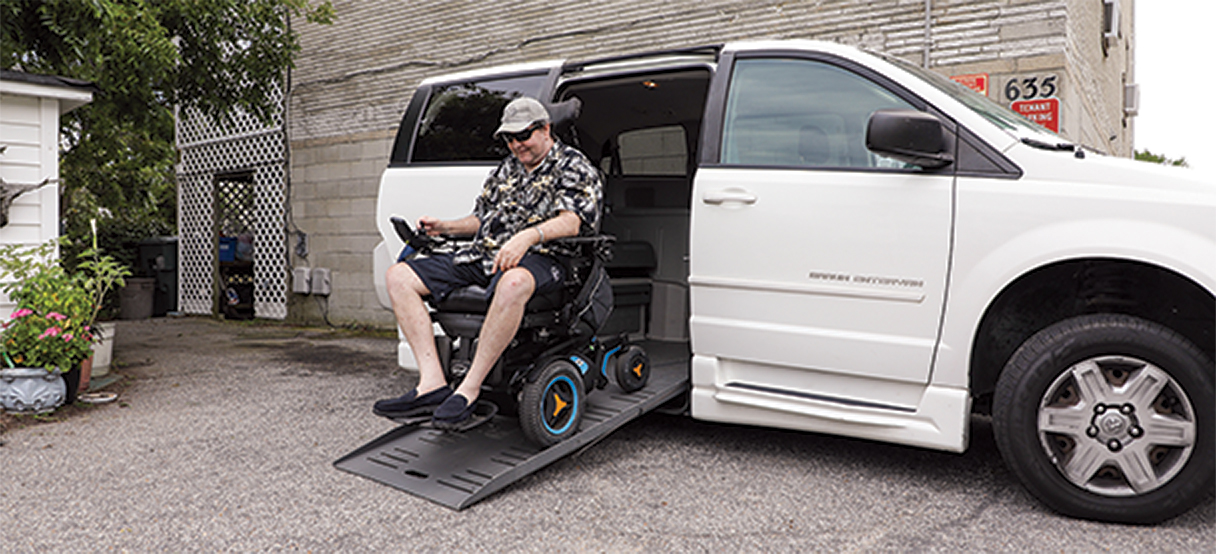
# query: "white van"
(840, 242)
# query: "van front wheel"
(1109, 417)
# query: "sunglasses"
(520, 136)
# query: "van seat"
(633, 263)
(631, 259)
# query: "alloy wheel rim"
(1117, 425)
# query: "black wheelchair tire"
(632, 369)
(551, 407)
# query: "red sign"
(976, 81)
(1045, 111)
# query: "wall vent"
(1131, 99)
(1110, 21)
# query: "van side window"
(654, 152)
(459, 121)
(801, 113)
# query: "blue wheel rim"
(559, 404)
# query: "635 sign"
(1031, 88)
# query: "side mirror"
(909, 136)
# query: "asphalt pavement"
(224, 435)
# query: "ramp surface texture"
(459, 469)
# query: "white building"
(30, 106)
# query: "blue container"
(227, 249)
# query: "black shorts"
(441, 275)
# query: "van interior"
(642, 131)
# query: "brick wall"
(354, 78)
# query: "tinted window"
(656, 151)
(459, 121)
(801, 113)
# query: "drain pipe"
(928, 26)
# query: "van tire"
(1068, 424)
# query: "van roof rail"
(711, 49)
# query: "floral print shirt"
(513, 199)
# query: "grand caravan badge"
(894, 282)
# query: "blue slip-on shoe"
(410, 404)
(453, 413)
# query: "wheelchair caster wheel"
(552, 406)
(457, 371)
(632, 369)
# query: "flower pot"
(71, 383)
(30, 390)
(135, 298)
(103, 351)
(86, 373)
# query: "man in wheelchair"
(545, 190)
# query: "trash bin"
(135, 298)
(158, 260)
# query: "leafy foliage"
(53, 324)
(1146, 156)
(48, 340)
(146, 57)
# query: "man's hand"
(463, 227)
(564, 225)
(430, 225)
(513, 251)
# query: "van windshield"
(999, 115)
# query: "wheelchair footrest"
(483, 412)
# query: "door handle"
(718, 197)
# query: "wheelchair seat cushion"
(474, 299)
(444, 278)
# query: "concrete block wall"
(354, 78)
(1099, 68)
(357, 74)
(333, 201)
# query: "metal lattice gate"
(232, 182)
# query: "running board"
(458, 470)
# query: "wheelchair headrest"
(564, 112)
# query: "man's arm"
(564, 224)
(464, 227)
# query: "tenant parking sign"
(1044, 111)
(975, 81)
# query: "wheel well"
(1067, 289)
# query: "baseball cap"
(520, 114)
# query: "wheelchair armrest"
(421, 241)
(599, 246)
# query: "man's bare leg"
(406, 290)
(511, 295)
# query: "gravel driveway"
(224, 436)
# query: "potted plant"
(50, 332)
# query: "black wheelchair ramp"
(459, 469)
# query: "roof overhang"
(71, 93)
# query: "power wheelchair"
(556, 358)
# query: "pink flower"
(21, 313)
(56, 316)
(67, 337)
(53, 331)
